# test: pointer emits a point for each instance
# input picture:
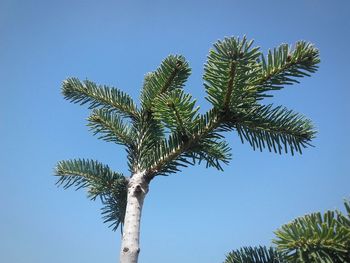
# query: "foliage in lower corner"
(316, 237)
(313, 238)
(259, 254)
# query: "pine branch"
(99, 96)
(146, 133)
(230, 66)
(111, 127)
(213, 152)
(81, 173)
(229, 88)
(314, 238)
(255, 255)
(101, 181)
(231, 69)
(344, 220)
(167, 155)
(176, 110)
(202, 144)
(114, 208)
(261, 126)
(235, 79)
(273, 128)
(284, 65)
(171, 74)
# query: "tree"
(255, 255)
(167, 132)
(316, 237)
(313, 238)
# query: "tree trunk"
(137, 190)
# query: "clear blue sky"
(200, 214)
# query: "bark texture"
(137, 190)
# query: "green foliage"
(237, 76)
(177, 151)
(167, 131)
(149, 132)
(100, 181)
(230, 68)
(313, 238)
(98, 96)
(274, 128)
(171, 74)
(283, 65)
(344, 219)
(176, 110)
(254, 255)
(184, 147)
(316, 238)
(111, 127)
(114, 206)
(169, 77)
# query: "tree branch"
(184, 146)
(99, 96)
(111, 126)
(284, 65)
(230, 85)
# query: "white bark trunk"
(137, 190)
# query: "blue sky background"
(200, 214)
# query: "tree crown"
(167, 131)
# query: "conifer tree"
(312, 238)
(255, 255)
(316, 237)
(167, 132)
